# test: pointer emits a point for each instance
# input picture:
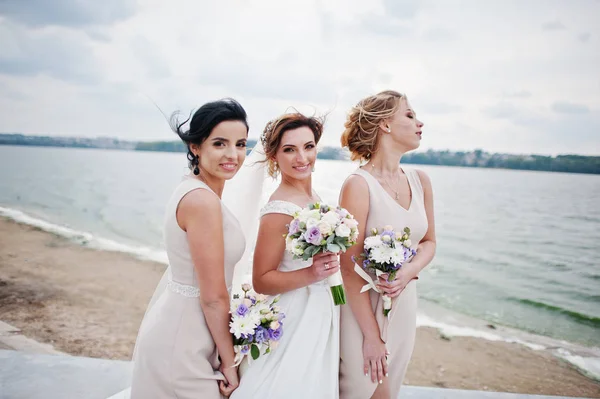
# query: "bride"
(305, 363)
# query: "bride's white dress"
(306, 362)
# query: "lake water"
(515, 248)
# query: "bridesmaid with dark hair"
(184, 349)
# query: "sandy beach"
(90, 303)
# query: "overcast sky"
(506, 76)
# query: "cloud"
(584, 37)
(385, 78)
(383, 25)
(437, 107)
(61, 54)
(395, 19)
(401, 9)
(72, 13)
(492, 89)
(502, 110)
(11, 94)
(269, 84)
(517, 94)
(154, 63)
(515, 115)
(439, 34)
(563, 107)
(553, 25)
(565, 134)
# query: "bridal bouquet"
(385, 253)
(256, 324)
(320, 228)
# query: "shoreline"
(89, 302)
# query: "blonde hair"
(361, 134)
(274, 130)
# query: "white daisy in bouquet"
(321, 228)
(385, 253)
(256, 324)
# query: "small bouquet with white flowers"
(385, 253)
(320, 228)
(256, 324)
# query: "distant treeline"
(476, 159)
(77, 142)
(163, 146)
(482, 159)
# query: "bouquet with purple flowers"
(320, 228)
(385, 253)
(256, 324)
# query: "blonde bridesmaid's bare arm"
(354, 197)
(269, 251)
(427, 246)
(199, 214)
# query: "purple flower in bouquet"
(249, 313)
(241, 310)
(313, 235)
(386, 252)
(319, 228)
(388, 233)
(408, 253)
(261, 335)
(342, 212)
(275, 335)
(294, 227)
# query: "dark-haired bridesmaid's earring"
(196, 162)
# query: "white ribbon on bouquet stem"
(239, 356)
(387, 301)
(335, 279)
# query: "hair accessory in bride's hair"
(269, 128)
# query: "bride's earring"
(313, 168)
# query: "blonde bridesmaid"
(375, 350)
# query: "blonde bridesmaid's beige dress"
(175, 355)
(398, 332)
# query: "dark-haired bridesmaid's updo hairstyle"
(202, 123)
